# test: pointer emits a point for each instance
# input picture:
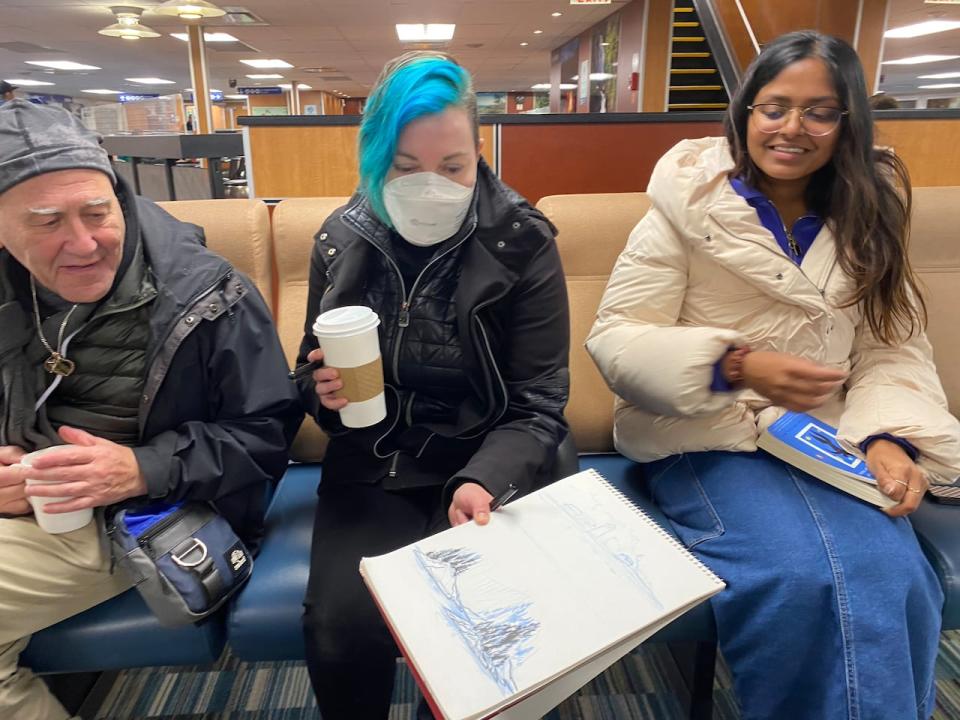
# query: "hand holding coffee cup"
(53, 523)
(350, 346)
(13, 499)
(328, 382)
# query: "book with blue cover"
(812, 446)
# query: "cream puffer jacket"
(700, 274)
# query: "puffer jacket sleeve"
(645, 357)
(535, 372)
(896, 390)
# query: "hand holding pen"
(471, 501)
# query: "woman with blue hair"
(466, 279)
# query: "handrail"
(719, 45)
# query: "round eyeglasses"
(817, 120)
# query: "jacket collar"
(690, 186)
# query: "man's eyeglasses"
(817, 120)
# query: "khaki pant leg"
(44, 579)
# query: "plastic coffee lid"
(26, 459)
(346, 321)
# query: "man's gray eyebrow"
(96, 202)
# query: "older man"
(125, 338)
(6, 91)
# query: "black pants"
(350, 653)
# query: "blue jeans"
(831, 610)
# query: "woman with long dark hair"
(772, 273)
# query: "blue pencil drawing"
(613, 543)
(499, 638)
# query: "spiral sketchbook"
(811, 445)
(510, 618)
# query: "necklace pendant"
(57, 364)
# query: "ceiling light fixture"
(288, 86)
(920, 59)
(939, 86)
(538, 32)
(940, 76)
(189, 9)
(128, 25)
(208, 37)
(102, 92)
(556, 14)
(524, 44)
(264, 63)
(268, 76)
(922, 28)
(150, 81)
(27, 83)
(62, 65)
(430, 32)
(235, 97)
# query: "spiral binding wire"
(659, 529)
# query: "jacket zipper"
(771, 250)
(66, 344)
(403, 320)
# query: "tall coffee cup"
(54, 523)
(350, 343)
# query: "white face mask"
(426, 208)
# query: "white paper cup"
(348, 337)
(55, 523)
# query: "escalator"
(695, 80)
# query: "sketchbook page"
(550, 696)
(486, 613)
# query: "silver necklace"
(57, 363)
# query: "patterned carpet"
(637, 688)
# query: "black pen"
(503, 497)
(299, 372)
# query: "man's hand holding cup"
(327, 381)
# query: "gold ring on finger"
(901, 482)
(914, 490)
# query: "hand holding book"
(898, 477)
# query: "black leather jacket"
(508, 310)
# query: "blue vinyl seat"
(123, 633)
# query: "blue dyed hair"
(410, 86)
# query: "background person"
(771, 273)
(474, 332)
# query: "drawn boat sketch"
(499, 638)
(615, 546)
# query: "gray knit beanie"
(37, 139)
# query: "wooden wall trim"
(656, 55)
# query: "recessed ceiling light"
(940, 76)
(208, 37)
(556, 14)
(150, 81)
(538, 32)
(265, 63)
(288, 86)
(922, 28)
(62, 65)
(940, 86)
(27, 83)
(102, 92)
(524, 44)
(267, 76)
(189, 9)
(920, 59)
(430, 32)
